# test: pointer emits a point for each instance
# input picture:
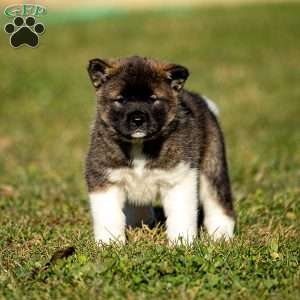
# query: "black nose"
(137, 119)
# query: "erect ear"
(98, 70)
(177, 75)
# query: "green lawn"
(248, 60)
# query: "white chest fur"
(143, 185)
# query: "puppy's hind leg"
(215, 191)
(218, 212)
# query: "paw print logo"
(24, 31)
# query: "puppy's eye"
(156, 99)
(119, 99)
(153, 98)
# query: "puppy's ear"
(177, 75)
(98, 70)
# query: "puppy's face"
(137, 98)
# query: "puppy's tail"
(212, 106)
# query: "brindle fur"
(192, 133)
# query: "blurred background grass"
(245, 57)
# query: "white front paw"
(221, 227)
(108, 216)
(183, 237)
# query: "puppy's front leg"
(107, 211)
(180, 206)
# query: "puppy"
(151, 140)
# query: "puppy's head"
(137, 97)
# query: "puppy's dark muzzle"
(137, 119)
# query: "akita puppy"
(151, 140)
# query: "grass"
(247, 59)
